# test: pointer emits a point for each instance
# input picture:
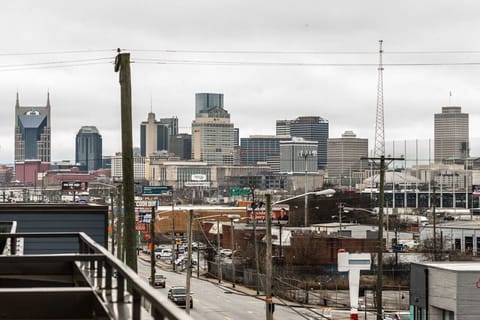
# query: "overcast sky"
(275, 64)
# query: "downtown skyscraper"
(451, 134)
(88, 148)
(310, 128)
(32, 132)
(213, 135)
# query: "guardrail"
(105, 270)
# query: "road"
(220, 302)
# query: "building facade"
(153, 136)
(138, 168)
(283, 127)
(213, 135)
(181, 145)
(344, 157)
(292, 160)
(171, 123)
(88, 148)
(311, 128)
(260, 148)
(451, 134)
(32, 132)
(206, 101)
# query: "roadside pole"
(189, 261)
(122, 65)
(152, 247)
(268, 259)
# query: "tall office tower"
(213, 136)
(345, 156)
(236, 139)
(451, 136)
(153, 136)
(139, 165)
(206, 101)
(88, 148)
(313, 128)
(32, 132)
(260, 148)
(181, 145)
(283, 127)
(171, 123)
(291, 159)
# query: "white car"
(164, 253)
(226, 252)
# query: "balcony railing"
(117, 291)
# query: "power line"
(298, 64)
(313, 52)
(34, 53)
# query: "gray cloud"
(254, 95)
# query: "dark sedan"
(178, 296)
(159, 280)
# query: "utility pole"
(119, 224)
(268, 259)
(189, 261)
(380, 233)
(255, 244)
(152, 247)
(122, 65)
(174, 238)
(112, 223)
(434, 204)
(218, 253)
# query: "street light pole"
(232, 231)
(305, 154)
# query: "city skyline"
(271, 60)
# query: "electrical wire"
(298, 64)
(32, 53)
(313, 52)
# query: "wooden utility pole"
(152, 247)
(189, 261)
(120, 249)
(254, 205)
(112, 223)
(434, 205)
(268, 259)
(379, 288)
(122, 65)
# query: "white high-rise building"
(451, 136)
(345, 156)
(213, 136)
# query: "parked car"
(226, 252)
(163, 253)
(178, 295)
(159, 281)
(402, 315)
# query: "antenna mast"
(379, 124)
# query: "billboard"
(476, 190)
(279, 213)
(74, 186)
(156, 190)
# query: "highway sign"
(156, 190)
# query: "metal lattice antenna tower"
(379, 127)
